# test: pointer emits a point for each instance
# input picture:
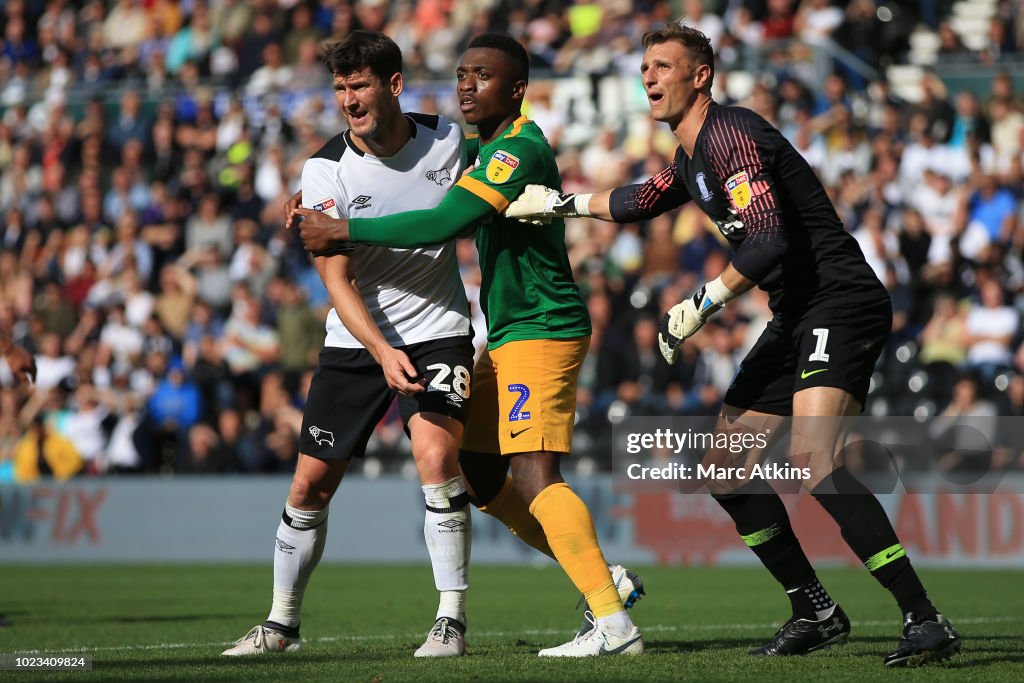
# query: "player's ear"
(396, 84)
(702, 77)
(519, 90)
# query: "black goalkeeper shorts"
(835, 347)
(349, 395)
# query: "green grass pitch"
(362, 623)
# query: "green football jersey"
(528, 291)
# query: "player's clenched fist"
(321, 234)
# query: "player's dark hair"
(362, 49)
(520, 59)
(695, 42)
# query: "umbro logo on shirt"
(362, 202)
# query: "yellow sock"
(510, 509)
(570, 532)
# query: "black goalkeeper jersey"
(773, 210)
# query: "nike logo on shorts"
(515, 434)
(804, 374)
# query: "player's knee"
(435, 462)
(307, 494)
(485, 475)
(534, 472)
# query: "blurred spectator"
(944, 340)
(880, 247)
(122, 454)
(936, 108)
(130, 124)
(937, 204)
(58, 315)
(86, 424)
(307, 71)
(300, 330)
(780, 22)
(817, 20)
(1007, 124)
(206, 454)
(126, 195)
(989, 216)
(716, 367)
(231, 19)
(42, 452)
(709, 24)
(193, 43)
(208, 228)
(248, 344)
(970, 125)
(250, 49)
(951, 48)
(172, 410)
(301, 31)
(174, 303)
(990, 329)
(274, 76)
(967, 428)
(52, 365)
(126, 25)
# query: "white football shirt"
(414, 295)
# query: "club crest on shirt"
(329, 207)
(702, 185)
(500, 167)
(440, 176)
(738, 187)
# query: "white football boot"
(630, 588)
(261, 640)
(596, 642)
(447, 638)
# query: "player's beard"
(374, 130)
(367, 129)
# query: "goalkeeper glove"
(538, 204)
(685, 318)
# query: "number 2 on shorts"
(517, 413)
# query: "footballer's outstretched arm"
(458, 212)
(627, 204)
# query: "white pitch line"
(489, 634)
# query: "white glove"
(539, 204)
(685, 318)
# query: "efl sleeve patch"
(329, 207)
(738, 188)
(501, 166)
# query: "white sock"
(618, 624)
(447, 528)
(299, 545)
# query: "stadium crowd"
(147, 148)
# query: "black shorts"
(348, 395)
(834, 347)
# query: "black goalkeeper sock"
(869, 533)
(811, 601)
(763, 523)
